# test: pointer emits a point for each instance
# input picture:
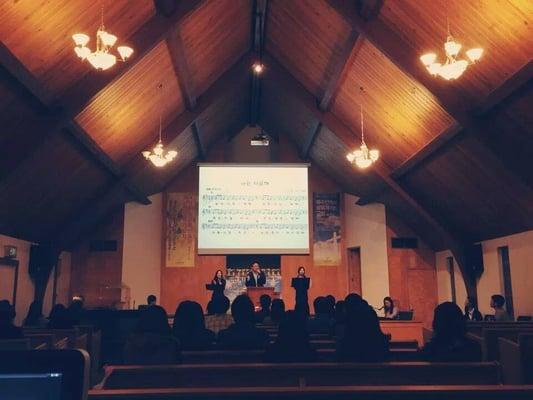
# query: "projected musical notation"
(253, 209)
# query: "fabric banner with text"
(180, 229)
(326, 229)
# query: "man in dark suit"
(255, 277)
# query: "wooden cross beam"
(259, 17)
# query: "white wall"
(521, 260)
(366, 228)
(25, 289)
(141, 262)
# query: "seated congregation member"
(218, 317)
(331, 301)
(497, 302)
(151, 341)
(8, 330)
(390, 311)
(59, 318)
(243, 334)
(449, 341)
(76, 310)
(363, 340)
(321, 321)
(292, 343)
(189, 327)
(265, 302)
(471, 311)
(338, 323)
(277, 313)
(35, 318)
(151, 300)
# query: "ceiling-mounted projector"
(261, 139)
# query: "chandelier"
(453, 67)
(157, 155)
(101, 58)
(363, 157)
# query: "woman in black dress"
(219, 284)
(301, 285)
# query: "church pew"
(37, 339)
(256, 356)
(310, 374)
(476, 327)
(489, 339)
(516, 358)
(481, 392)
(15, 344)
(59, 334)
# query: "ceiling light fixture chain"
(157, 155)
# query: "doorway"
(354, 270)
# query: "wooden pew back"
(481, 392)
(287, 375)
(15, 344)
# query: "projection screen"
(253, 209)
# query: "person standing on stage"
(301, 285)
(218, 285)
(255, 277)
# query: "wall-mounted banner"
(180, 219)
(326, 229)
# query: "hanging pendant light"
(157, 155)
(363, 157)
(453, 67)
(101, 58)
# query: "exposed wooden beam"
(165, 7)
(64, 123)
(196, 135)
(437, 143)
(181, 68)
(310, 140)
(330, 121)
(88, 216)
(24, 77)
(369, 9)
(142, 41)
(340, 69)
(456, 103)
(520, 80)
(258, 32)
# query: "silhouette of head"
(340, 310)
(321, 305)
(153, 320)
(497, 301)
(34, 311)
(448, 322)
(277, 311)
(189, 318)
(151, 300)
(7, 312)
(265, 302)
(292, 329)
(242, 309)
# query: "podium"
(254, 293)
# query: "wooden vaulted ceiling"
(455, 156)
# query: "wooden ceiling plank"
(259, 18)
(407, 60)
(44, 97)
(79, 95)
(348, 137)
(340, 69)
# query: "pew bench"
(470, 392)
(300, 375)
(517, 359)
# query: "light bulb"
(107, 39)
(125, 52)
(80, 39)
(474, 54)
(428, 59)
(101, 60)
(258, 68)
(451, 47)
